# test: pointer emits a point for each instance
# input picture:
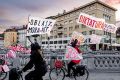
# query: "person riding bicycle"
(36, 60)
(75, 45)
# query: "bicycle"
(3, 74)
(15, 74)
(59, 72)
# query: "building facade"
(66, 24)
(1, 42)
(10, 37)
(21, 32)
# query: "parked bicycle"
(3, 73)
(59, 72)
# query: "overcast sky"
(15, 12)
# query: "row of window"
(70, 28)
(55, 42)
(70, 34)
(54, 47)
(107, 17)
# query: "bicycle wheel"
(82, 76)
(57, 74)
(3, 75)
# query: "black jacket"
(36, 60)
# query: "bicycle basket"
(58, 64)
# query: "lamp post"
(110, 41)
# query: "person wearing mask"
(36, 60)
(74, 44)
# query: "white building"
(66, 24)
(22, 36)
(1, 42)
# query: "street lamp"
(110, 41)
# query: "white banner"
(110, 28)
(72, 54)
(95, 39)
(96, 23)
(39, 26)
(78, 36)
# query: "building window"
(65, 41)
(51, 37)
(65, 46)
(76, 19)
(60, 47)
(106, 17)
(106, 10)
(70, 21)
(84, 33)
(83, 26)
(70, 28)
(43, 42)
(92, 32)
(55, 36)
(60, 42)
(65, 35)
(51, 42)
(51, 32)
(93, 14)
(65, 22)
(55, 42)
(76, 26)
(65, 29)
(46, 42)
(106, 33)
(60, 36)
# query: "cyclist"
(36, 60)
(75, 45)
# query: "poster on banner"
(78, 36)
(95, 39)
(39, 26)
(96, 23)
(72, 54)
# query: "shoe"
(67, 75)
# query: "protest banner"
(110, 28)
(96, 23)
(72, 54)
(78, 36)
(95, 39)
(91, 21)
(39, 26)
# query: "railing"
(105, 61)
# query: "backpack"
(80, 70)
(13, 74)
(44, 68)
